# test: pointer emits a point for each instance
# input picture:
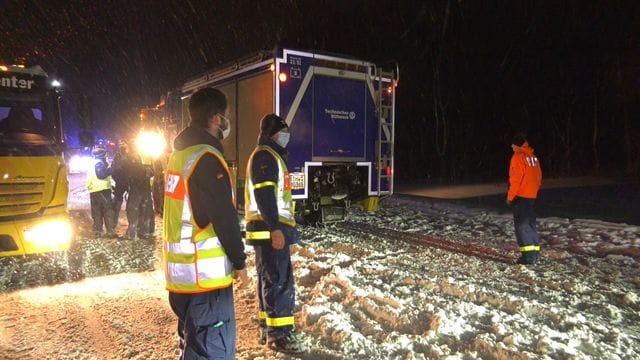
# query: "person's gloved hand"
(508, 202)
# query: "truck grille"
(21, 198)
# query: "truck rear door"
(339, 113)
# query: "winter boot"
(287, 344)
(131, 235)
(262, 339)
(146, 236)
(529, 258)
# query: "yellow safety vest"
(282, 191)
(194, 258)
(92, 182)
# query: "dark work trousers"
(139, 214)
(101, 211)
(158, 193)
(206, 324)
(276, 293)
(524, 219)
(149, 222)
(118, 199)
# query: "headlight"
(150, 143)
(52, 233)
(79, 163)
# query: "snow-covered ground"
(369, 288)
(378, 297)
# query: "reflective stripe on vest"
(194, 257)
(282, 193)
(94, 184)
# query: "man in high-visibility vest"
(525, 177)
(98, 183)
(269, 215)
(202, 244)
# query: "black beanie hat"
(99, 152)
(519, 139)
(271, 124)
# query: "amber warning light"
(282, 77)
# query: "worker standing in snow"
(99, 184)
(525, 177)
(202, 244)
(121, 169)
(140, 216)
(269, 215)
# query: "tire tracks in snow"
(479, 251)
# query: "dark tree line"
(566, 73)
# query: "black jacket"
(210, 195)
(139, 175)
(102, 169)
(130, 173)
(121, 166)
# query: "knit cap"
(271, 124)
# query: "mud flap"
(371, 204)
(332, 213)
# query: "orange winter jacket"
(525, 174)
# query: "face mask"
(224, 133)
(282, 139)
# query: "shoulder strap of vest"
(197, 151)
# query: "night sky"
(472, 72)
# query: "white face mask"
(227, 130)
(282, 139)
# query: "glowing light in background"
(150, 143)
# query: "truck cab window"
(20, 119)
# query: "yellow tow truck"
(33, 177)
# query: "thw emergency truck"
(33, 176)
(341, 115)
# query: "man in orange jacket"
(525, 177)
